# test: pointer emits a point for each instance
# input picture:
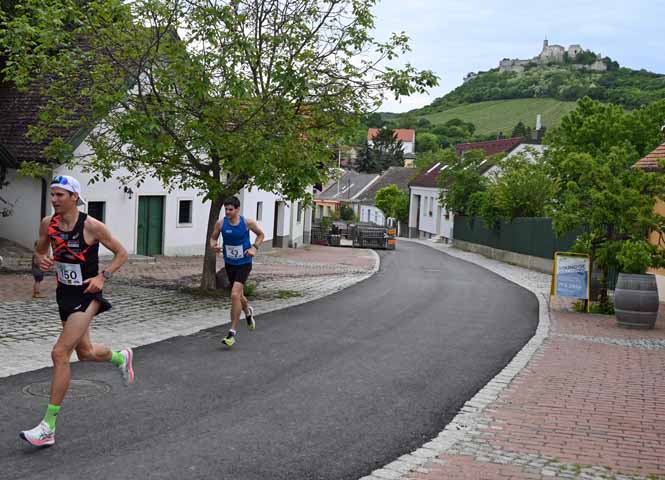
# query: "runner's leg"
(236, 304)
(86, 351)
(73, 331)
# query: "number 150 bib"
(69, 273)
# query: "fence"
(528, 236)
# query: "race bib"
(69, 273)
(234, 251)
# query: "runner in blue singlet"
(238, 253)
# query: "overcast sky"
(454, 37)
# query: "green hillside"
(502, 115)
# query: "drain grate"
(77, 389)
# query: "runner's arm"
(254, 227)
(41, 250)
(102, 234)
(215, 237)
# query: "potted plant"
(636, 293)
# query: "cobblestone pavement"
(582, 400)
(152, 301)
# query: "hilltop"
(549, 83)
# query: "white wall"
(249, 199)
(408, 147)
(428, 197)
(370, 213)
(297, 225)
(26, 193)
(121, 214)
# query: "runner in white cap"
(74, 238)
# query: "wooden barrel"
(636, 300)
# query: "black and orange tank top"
(75, 261)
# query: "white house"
(406, 135)
(148, 219)
(427, 218)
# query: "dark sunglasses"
(59, 180)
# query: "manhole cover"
(77, 389)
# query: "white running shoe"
(40, 436)
(126, 368)
(251, 323)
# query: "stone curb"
(469, 416)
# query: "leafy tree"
(427, 142)
(216, 96)
(393, 202)
(460, 181)
(386, 150)
(590, 158)
(446, 156)
(521, 130)
(346, 213)
(522, 188)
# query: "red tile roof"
(491, 147)
(403, 134)
(651, 163)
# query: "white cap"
(70, 184)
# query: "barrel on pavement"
(636, 300)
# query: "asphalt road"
(326, 390)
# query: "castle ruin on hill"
(553, 54)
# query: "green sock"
(51, 414)
(117, 359)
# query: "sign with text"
(571, 275)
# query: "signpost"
(571, 275)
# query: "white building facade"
(150, 219)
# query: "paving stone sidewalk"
(151, 301)
(583, 400)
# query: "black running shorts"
(71, 302)
(238, 273)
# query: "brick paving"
(587, 401)
(153, 300)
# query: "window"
(320, 211)
(97, 210)
(299, 214)
(185, 212)
(259, 211)
(431, 205)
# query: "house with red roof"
(406, 135)
(427, 218)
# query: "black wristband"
(255, 246)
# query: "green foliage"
(622, 86)
(346, 213)
(393, 202)
(492, 117)
(590, 158)
(325, 222)
(427, 142)
(635, 256)
(385, 151)
(521, 130)
(427, 159)
(250, 289)
(523, 188)
(461, 183)
(215, 96)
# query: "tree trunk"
(208, 279)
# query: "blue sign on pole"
(571, 275)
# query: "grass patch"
(284, 294)
(502, 115)
(594, 308)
